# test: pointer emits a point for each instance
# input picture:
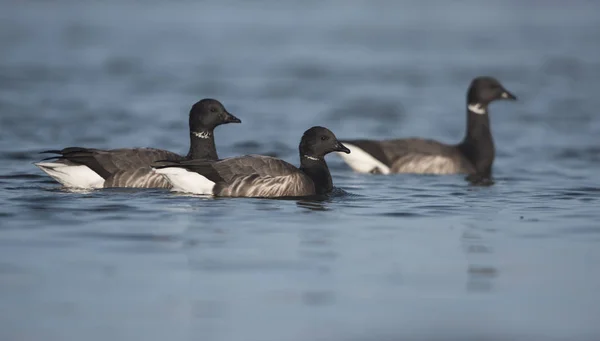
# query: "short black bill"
(341, 148)
(229, 118)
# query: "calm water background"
(392, 258)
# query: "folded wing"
(251, 176)
(423, 156)
(411, 155)
(119, 167)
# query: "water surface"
(402, 257)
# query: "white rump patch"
(185, 181)
(73, 176)
(202, 134)
(477, 108)
(361, 161)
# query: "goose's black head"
(207, 114)
(318, 142)
(484, 90)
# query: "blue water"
(402, 257)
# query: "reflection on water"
(383, 257)
(312, 205)
(480, 276)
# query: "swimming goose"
(89, 168)
(257, 175)
(473, 156)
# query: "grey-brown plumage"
(474, 155)
(131, 167)
(417, 156)
(254, 176)
(261, 176)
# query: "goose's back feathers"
(118, 167)
(425, 156)
(250, 176)
(131, 159)
(260, 165)
(400, 147)
(261, 176)
(411, 155)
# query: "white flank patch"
(72, 176)
(477, 108)
(361, 161)
(202, 134)
(185, 181)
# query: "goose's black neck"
(202, 145)
(478, 144)
(316, 168)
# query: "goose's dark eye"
(324, 138)
(213, 110)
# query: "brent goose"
(89, 168)
(257, 175)
(473, 156)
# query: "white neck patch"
(202, 134)
(311, 158)
(477, 108)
